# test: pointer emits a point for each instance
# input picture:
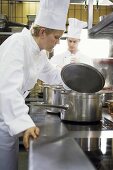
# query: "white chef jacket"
(21, 64)
(65, 58)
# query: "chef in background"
(72, 54)
(22, 62)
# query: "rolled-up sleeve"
(49, 73)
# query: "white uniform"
(21, 64)
(67, 57)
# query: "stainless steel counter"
(55, 149)
(61, 154)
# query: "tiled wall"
(18, 11)
(80, 12)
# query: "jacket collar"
(33, 45)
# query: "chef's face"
(73, 44)
(51, 40)
(48, 39)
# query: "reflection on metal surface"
(100, 154)
(56, 143)
(100, 129)
(103, 145)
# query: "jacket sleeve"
(13, 110)
(49, 74)
(57, 60)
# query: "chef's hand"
(31, 132)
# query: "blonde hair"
(36, 28)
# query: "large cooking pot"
(85, 103)
(46, 106)
(83, 107)
(82, 78)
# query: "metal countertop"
(55, 149)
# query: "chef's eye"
(56, 37)
(70, 41)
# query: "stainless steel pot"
(46, 106)
(65, 97)
(110, 106)
(52, 96)
(105, 96)
(83, 107)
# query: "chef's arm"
(14, 111)
(13, 108)
(49, 74)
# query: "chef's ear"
(42, 32)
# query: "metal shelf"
(104, 29)
(27, 0)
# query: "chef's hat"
(75, 27)
(52, 14)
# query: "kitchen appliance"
(6, 25)
(105, 96)
(95, 139)
(82, 78)
(83, 107)
(39, 105)
(85, 104)
(110, 106)
(105, 66)
(52, 95)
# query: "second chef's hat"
(52, 14)
(75, 27)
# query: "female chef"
(22, 62)
(72, 54)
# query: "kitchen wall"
(18, 11)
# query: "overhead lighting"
(105, 2)
(76, 1)
(100, 2)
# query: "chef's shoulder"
(20, 37)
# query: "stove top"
(102, 125)
(96, 140)
(99, 152)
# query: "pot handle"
(64, 107)
(106, 102)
